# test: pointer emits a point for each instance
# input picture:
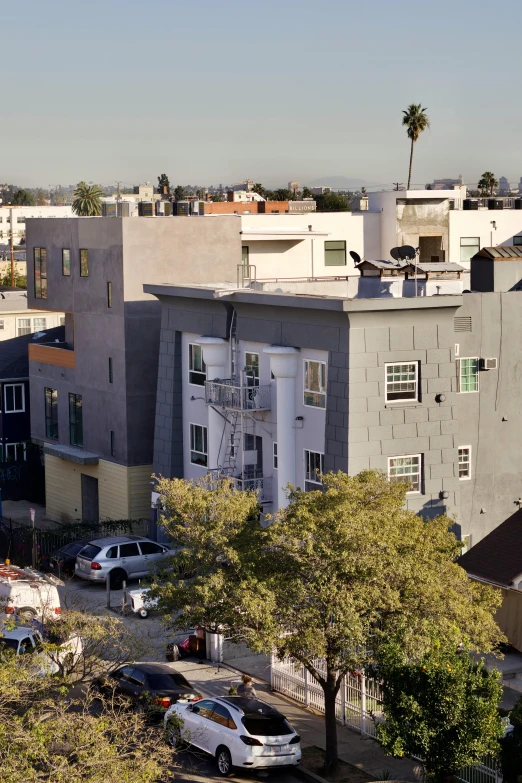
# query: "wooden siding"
(509, 617)
(140, 491)
(45, 354)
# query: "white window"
(406, 469)
(24, 326)
(15, 452)
(39, 324)
(62, 320)
(2, 324)
(314, 466)
(197, 368)
(252, 369)
(14, 398)
(198, 445)
(464, 462)
(20, 219)
(315, 384)
(275, 456)
(469, 246)
(402, 382)
(468, 375)
(466, 544)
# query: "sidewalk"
(362, 752)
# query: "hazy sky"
(273, 90)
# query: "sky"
(215, 92)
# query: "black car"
(63, 560)
(152, 686)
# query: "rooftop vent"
(462, 323)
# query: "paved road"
(197, 767)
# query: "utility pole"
(118, 194)
(397, 185)
(11, 247)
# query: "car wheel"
(27, 612)
(143, 612)
(173, 737)
(224, 761)
(117, 577)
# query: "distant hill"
(338, 182)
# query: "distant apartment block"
(17, 319)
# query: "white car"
(24, 640)
(237, 731)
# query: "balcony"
(260, 484)
(52, 353)
(226, 394)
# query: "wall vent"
(488, 364)
(462, 323)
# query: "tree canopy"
(487, 183)
(163, 182)
(332, 202)
(416, 121)
(22, 198)
(179, 193)
(87, 200)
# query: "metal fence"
(359, 705)
(226, 394)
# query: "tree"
(284, 194)
(511, 754)
(336, 573)
(442, 708)
(179, 193)
(487, 183)
(416, 120)
(363, 192)
(259, 189)
(22, 198)
(332, 202)
(87, 200)
(163, 182)
(41, 198)
(307, 193)
(218, 197)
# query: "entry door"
(430, 250)
(90, 501)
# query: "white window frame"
(307, 453)
(192, 426)
(459, 374)
(387, 383)
(467, 260)
(322, 394)
(39, 329)
(252, 381)
(16, 446)
(466, 541)
(190, 368)
(15, 410)
(419, 474)
(27, 326)
(468, 477)
(274, 455)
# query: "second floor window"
(402, 382)
(469, 246)
(84, 263)
(40, 272)
(314, 467)
(468, 375)
(66, 261)
(197, 368)
(252, 369)
(198, 445)
(75, 420)
(51, 413)
(406, 469)
(14, 398)
(315, 384)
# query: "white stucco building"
(16, 318)
(18, 215)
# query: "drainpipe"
(283, 363)
(215, 356)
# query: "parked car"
(237, 731)
(62, 561)
(152, 686)
(25, 640)
(118, 558)
(27, 594)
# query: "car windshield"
(71, 549)
(10, 644)
(167, 681)
(267, 726)
(90, 551)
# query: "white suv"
(237, 731)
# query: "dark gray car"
(118, 558)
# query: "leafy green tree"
(332, 202)
(259, 189)
(336, 573)
(219, 197)
(163, 182)
(487, 183)
(22, 198)
(284, 194)
(416, 120)
(87, 200)
(41, 198)
(511, 754)
(442, 708)
(179, 193)
(200, 193)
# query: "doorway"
(430, 250)
(90, 500)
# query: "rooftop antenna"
(397, 185)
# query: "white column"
(215, 356)
(283, 363)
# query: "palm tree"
(416, 121)
(487, 183)
(87, 200)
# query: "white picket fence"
(358, 705)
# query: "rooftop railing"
(227, 394)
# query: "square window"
(197, 368)
(23, 326)
(198, 445)
(314, 467)
(517, 241)
(406, 469)
(315, 384)
(468, 375)
(275, 456)
(402, 382)
(15, 452)
(335, 253)
(66, 261)
(84, 263)
(39, 324)
(469, 246)
(464, 462)
(14, 398)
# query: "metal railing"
(262, 485)
(226, 394)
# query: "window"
(149, 548)
(129, 550)
(111, 377)
(39, 324)
(315, 384)
(252, 369)
(468, 379)
(75, 420)
(466, 544)
(197, 368)
(402, 382)
(109, 294)
(204, 708)
(517, 241)
(198, 445)
(51, 413)
(62, 320)
(84, 263)
(335, 253)
(274, 453)
(464, 462)
(113, 445)
(406, 469)
(20, 220)
(2, 325)
(14, 394)
(40, 272)
(112, 553)
(245, 255)
(222, 716)
(24, 326)
(66, 261)
(469, 246)
(314, 466)
(15, 452)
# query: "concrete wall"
(478, 224)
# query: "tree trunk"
(411, 163)
(330, 723)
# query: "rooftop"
(497, 558)
(14, 360)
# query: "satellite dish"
(395, 253)
(407, 253)
(356, 257)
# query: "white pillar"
(283, 363)
(215, 356)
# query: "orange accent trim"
(45, 354)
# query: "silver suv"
(118, 558)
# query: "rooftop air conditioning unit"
(488, 364)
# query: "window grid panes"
(197, 368)
(314, 466)
(51, 413)
(66, 261)
(198, 445)
(468, 375)
(252, 369)
(84, 263)
(75, 420)
(464, 462)
(402, 382)
(14, 398)
(406, 469)
(24, 326)
(40, 272)
(335, 253)
(39, 324)
(15, 452)
(315, 384)
(469, 246)
(275, 456)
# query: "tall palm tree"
(416, 120)
(87, 200)
(488, 183)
